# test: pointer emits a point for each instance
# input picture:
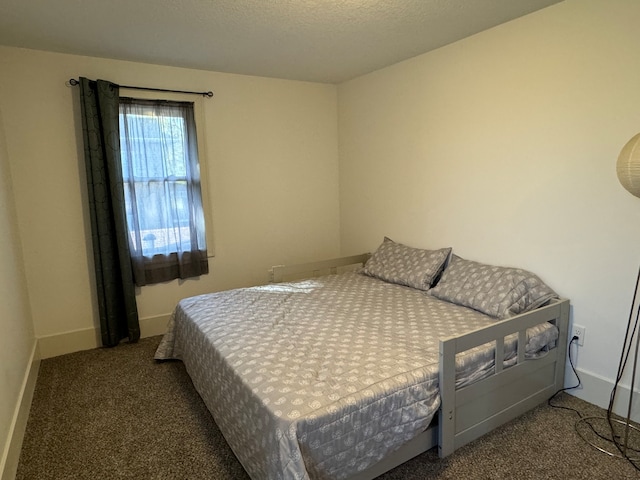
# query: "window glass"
(161, 175)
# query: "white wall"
(17, 342)
(503, 146)
(273, 183)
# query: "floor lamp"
(621, 431)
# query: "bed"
(340, 375)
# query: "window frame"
(199, 119)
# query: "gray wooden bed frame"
(468, 413)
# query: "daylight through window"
(161, 177)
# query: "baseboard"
(88, 338)
(152, 326)
(68, 342)
(596, 389)
(11, 454)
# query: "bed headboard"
(283, 273)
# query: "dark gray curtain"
(114, 279)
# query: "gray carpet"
(117, 414)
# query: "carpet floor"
(118, 414)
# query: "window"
(161, 175)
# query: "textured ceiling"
(316, 40)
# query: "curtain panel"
(161, 175)
(114, 276)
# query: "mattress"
(323, 378)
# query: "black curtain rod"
(73, 82)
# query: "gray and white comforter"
(322, 378)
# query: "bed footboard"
(470, 412)
(283, 273)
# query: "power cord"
(566, 389)
(575, 372)
(615, 439)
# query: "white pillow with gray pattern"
(413, 267)
(500, 292)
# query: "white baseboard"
(68, 342)
(88, 338)
(152, 326)
(11, 454)
(596, 389)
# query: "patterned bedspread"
(322, 378)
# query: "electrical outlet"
(579, 331)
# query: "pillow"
(500, 292)
(413, 267)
